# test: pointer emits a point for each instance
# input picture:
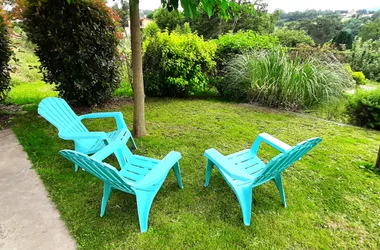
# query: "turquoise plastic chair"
(70, 126)
(244, 170)
(139, 175)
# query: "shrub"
(359, 77)
(232, 44)
(185, 29)
(150, 30)
(364, 108)
(273, 78)
(291, 38)
(237, 43)
(176, 65)
(77, 47)
(365, 57)
(325, 53)
(5, 56)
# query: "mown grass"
(333, 201)
(30, 93)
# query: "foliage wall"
(5, 55)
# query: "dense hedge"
(177, 64)
(77, 47)
(364, 109)
(5, 55)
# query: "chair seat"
(137, 168)
(246, 161)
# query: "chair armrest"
(270, 140)
(84, 135)
(159, 171)
(113, 146)
(223, 163)
(117, 115)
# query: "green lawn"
(30, 93)
(333, 200)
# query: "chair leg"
(133, 143)
(106, 194)
(177, 173)
(280, 187)
(144, 202)
(244, 195)
(209, 167)
(76, 168)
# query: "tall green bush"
(273, 78)
(365, 57)
(5, 56)
(344, 37)
(77, 47)
(177, 64)
(291, 38)
(150, 30)
(364, 108)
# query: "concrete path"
(28, 219)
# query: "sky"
(292, 5)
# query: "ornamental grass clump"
(272, 78)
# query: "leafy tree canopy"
(309, 14)
(370, 30)
(321, 29)
(166, 19)
(260, 22)
(226, 8)
(123, 12)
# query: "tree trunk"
(377, 165)
(138, 82)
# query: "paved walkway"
(28, 219)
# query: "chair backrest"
(284, 160)
(103, 171)
(59, 113)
